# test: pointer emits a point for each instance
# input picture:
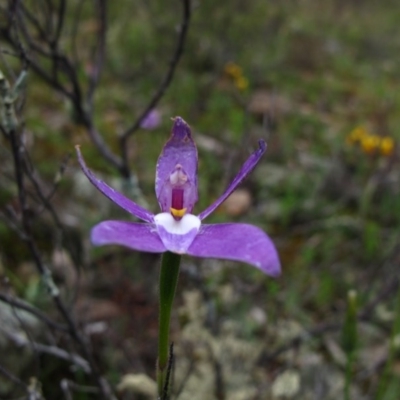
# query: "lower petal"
(137, 236)
(177, 236)
(238, 242)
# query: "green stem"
(388, 371)
(168, 281)
(348, 375)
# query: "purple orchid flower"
(152, 120)
(176, 229)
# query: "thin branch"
(6, 33)
(22, 305)
(60, 238)
(61, 62)
(165, 82)
(45, 199)
(187, 375)
(22, 341)
(10, 218)
(60, 21)
(265, 357)
(12, 377)
(99, 52)
(33, 20)
(66, 385)
(45, 273)
(77, 12)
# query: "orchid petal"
(152, 120)
(113, 195)
(247, 167)
(177, 163)
(137, 236)
(238, 242)
(177, 236)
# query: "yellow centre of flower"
(178, 213)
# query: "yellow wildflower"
(370, 143)
(357, 135)
(387, 146)
(242, 83)
(233, 70)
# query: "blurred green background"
(320, 82)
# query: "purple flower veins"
(176, 229)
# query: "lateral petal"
(238, 242)
(136, 236)
(247, 167)
(118, 198)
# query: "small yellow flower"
(387, 146)
(242, 83)
(356, 135)
(370, 143)
(233, 70)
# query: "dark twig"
(67, 386)
(219, 380)
(13, 133)
(185, 379)
(72, 90)
(59, 21)
(77, 12)
(265, 357)
(22, 341)
(98, 57)
(10, 218)
(22, 305)
(12, 377)
(33, 20)
(17, 150)
(165, 82)
(44, 199)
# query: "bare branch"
(60, 21)
(5, 372)
(67, 386)
(59, 62)
(18, 303)
(99, 51)
(17, 150)
(165, 82)
(22, 341)
(45, 273)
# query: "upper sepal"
(177, 168)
